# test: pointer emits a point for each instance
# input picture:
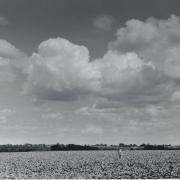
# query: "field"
(90, 164)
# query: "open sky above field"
(88, 71)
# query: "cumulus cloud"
(7, 50)
(140, 67)
(144, 61)
(135, 85)
(104, 23)
(61, 70)
(139, 36)
(3, 21)
(125, 74)
(12, 61)
(154, 40)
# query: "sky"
(88, 71)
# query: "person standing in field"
(120, 154)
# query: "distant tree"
(121, 145)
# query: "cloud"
(140, 36)
(175, 96)
(140, 67)
(104, 23)
(12, 62)
(3, 21)
(125, 74)
(52, 116)
(155, 41)
(142, 64)
(134, 87)
(4, 113)
(61, 70)
(7, 50)
(92, 129)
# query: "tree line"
(74, 147)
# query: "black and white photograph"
(89, 89)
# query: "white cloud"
(141, 68)
(6, 111)
(9, 51)
(92, 129)
(3, 21)
(104, 23)
(5, 71)
(52, 116)
(4, 114)
(133, 87)
(83, 110)
(61, 70)
(142, 64)
(124, 73)
(156, 41)
(139, 36)
(12, 62)
(175, 96)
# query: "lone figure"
(120, 154)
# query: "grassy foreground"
(90, 164)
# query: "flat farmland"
(90, 164)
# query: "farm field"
(90, 164)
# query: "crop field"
(90, 164)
